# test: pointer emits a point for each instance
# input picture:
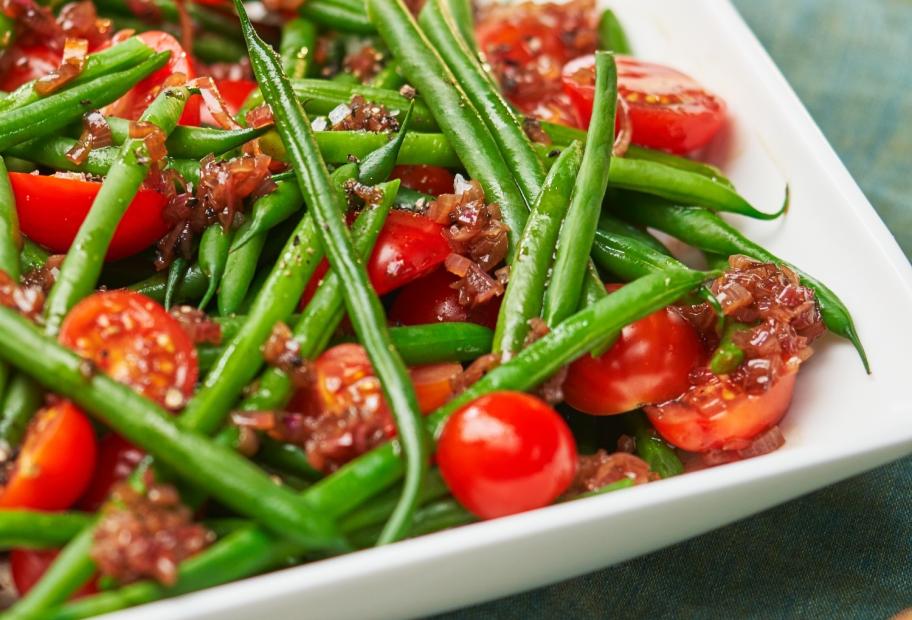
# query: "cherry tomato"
(431, 180)
(432, 299)
(30, 63)
(668, 109)
(344, 379)
(51, 209)
(506, 452)
(56, 461)
(409, 246)
(29, 565)
(134, 103)
(234, 93)
(650, 363)
(730, 420)
(117, 458)
(136, 342)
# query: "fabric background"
(845, 551)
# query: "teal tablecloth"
(846, 551)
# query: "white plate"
(841, 423)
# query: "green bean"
(464, 17)
(9, 227)
(411, 200)
(340, 15)
(32, 256)
(727, 356)
(611, 34)
(191, 289)
(578, 231)
(379, 164)
(457, 117)
(82, 265)
(440, 515)
(192, 142)
(320, 97)
(624, 483)
(285, 457)
(176, 272)
(58, 110)
(383, 505)
(438, 24)
(562, 135)
(207, 19)
(659, 455)
(30, 529)
(221, 472)
(613, 225)
(103, 62)
(240, 269)
(708, 232)
(21, 401)
(314, 328)
(213, 256)
(269, 211)
(7, 31)
(523, 298)
(628, 258)
(681, 163)
(362, 303)
(299, 37)
(388, 77)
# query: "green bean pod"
(22, 399)
(10, 238)
(578, 231)
(32, 256)
(213, 256)
(379, 164)
(56, 111)
(240, 269)
(524, 296)
(341, 15)
(659, 455)
(615, 226)
(459, 120)
(191, 288)
(681, 163)
(388, 77)
(362, 303)
(192, 142)
(176, 272)
(708, 232)
(269, 211)
(299, 36)
(29, 529)
(611, 34)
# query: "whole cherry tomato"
(668, 109)
(431, 180)
(730, 418)
(505, 453)
(56, 461)
(117, 458)
(432, 299)
(649, 363)
(135, 102)
(51, 209)
(135, 341)
(29, 565)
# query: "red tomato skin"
(51, 210)
(409, 246)
(56, 462)
(432, 299)
(117, 458)
(143, 346)
(29, 565)
(431, 180)
(669, 110)
(506, 453)
(744, 417)
(38, 62)
(234, 93)
(649, 363)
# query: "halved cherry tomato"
(117, 458)
(505, 453)
(409, 246)
(731, 419)
(650, 363)
(51, 209)
(134, 103)
(234, 93)
(136, 342)
(344, 379)
(431, 180)
(30, 62)
(56, 461)
(29, 565)
(668, 109)
(432, 299)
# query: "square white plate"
(842, 422)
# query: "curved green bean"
(30, 529)
(379, 164)
(192, 142)
(299, 36)
(340, 15)
(213, 257)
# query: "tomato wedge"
(56, 461)
(731, 419)
(409, 246)
(29, 565)
(431, 180)
(31, 62)
(134, 103)
(669, 110)
(135, 341)
(51, 209)
(117, 458)
(432, 299)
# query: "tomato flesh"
(32, 62)
(29, 565)
(409, 246)
(649, 363)
(431, 180)
(117, 458)
(51, 210)
(505, 453)
(135, 341)
(731, 422)
(56, 461)
(669, 110)
(432, 299)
